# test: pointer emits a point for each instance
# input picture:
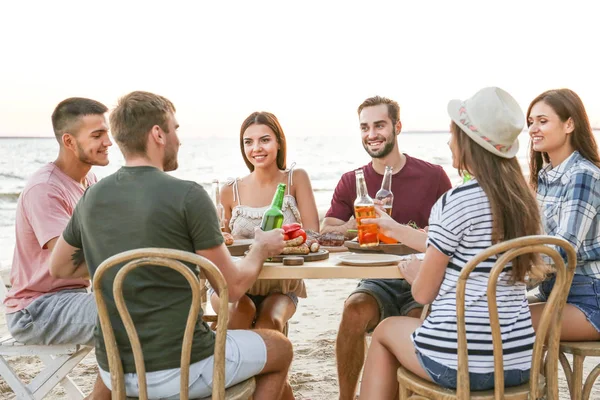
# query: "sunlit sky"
(309, 62)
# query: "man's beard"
(170, 162)
(387, 149)
(84, 158)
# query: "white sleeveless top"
(242, 223)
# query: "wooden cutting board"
(239, 246)
(398, 249)
(317, 256)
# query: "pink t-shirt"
(416, 188)
(43, 211)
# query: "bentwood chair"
(168, 258)
(579, 350)
(540, 385)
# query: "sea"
(325, 158)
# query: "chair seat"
(587, 349)
(429, 389)
(242, 391)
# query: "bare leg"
(391, 346)
(274, 312)
(575, 326)
(271, 383)
(361, 314)
(241, 313)
(100, 391)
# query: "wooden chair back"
(548, 330)
(130, 260)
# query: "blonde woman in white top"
(269, 304)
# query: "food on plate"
(302, 249)
(228, 238)
(299, 241)
(331, 239)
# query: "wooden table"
(330, 268)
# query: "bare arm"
(331, 224)
(404, 234)
(306, 200)
(430, 276)
(241, 275)
(66, 261)
(227, 203)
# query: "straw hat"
(492, 118)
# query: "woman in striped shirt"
(496, 205)
(565, 171)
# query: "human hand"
(270, 243)
(386, 224)
(410, 268)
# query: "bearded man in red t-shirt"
(416, 185)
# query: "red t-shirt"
(416, 188)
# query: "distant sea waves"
(204, 159)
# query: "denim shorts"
(245, 356)
(393, 296)
(447, 377)
(64, 317)
(584, 294)
(257, 299)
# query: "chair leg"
(567, 370)
(577, 378)
(71, 389)
(56, 370)
(403, 392)
(11, 378)
(589, 382)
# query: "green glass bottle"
(273, 217)
(466, 176)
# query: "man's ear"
(68, 141)
(157, 135)
(398, 127)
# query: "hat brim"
(453, 111)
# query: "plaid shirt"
(569, 197)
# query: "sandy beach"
(312, 331)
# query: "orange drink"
(367, 233)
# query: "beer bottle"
(466, 176)
(364, 207)
(385, 194)
(218, 205)
(273, 217)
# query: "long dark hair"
(566, 104)
(515, 211)
(270, 120)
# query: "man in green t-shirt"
(141, 206)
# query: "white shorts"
(245, 356)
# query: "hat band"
(464, 119)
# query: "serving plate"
(370, 259)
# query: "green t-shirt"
(140, 207)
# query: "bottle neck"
(361, 187)
(278, 198)
(387, 180)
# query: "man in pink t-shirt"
(416, 185)
(41, 309)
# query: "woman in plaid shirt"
(565, 171)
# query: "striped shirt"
(460, 226)
(569, 197)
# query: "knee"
(360, 311)
(269, 321)
(244, 306)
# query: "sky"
(311, 62)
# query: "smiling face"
(547, 132)
(91, 140)
(377, 131)
(260, 145)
